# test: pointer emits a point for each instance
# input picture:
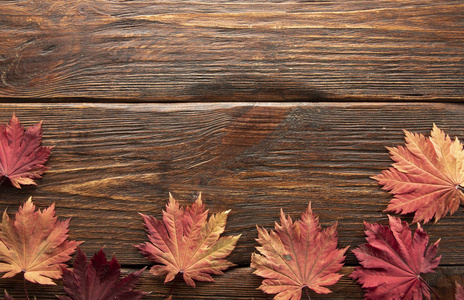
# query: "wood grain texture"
(231, 51)
(239, 283)
(112, 161)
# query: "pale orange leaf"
(296, 256)
(427, 177)
(35, 244)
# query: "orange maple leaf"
(35, 243)
(297, 255)
(427, 176)
(186, 242)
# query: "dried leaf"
(393, 260)
(99, 279)
(459, 295)
(427, 176)
(35, 244)
(8, 297)
(21, 157)
(186, 242)
(298, 255)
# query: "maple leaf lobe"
(427, 176)
(393, 260)
(22, 158)
(297, 255)
(459, 294)
(186, 242)
(35, 244)
(99, 279)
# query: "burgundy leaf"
(99, 279)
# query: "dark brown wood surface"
(112, 161)
(282, 103)
(249, 50)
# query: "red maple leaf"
(427, 177)
(99, 279)
(298, 255)
(35, 244)
(393, 260)
(459, 295)
(186, 242)
(21, 157)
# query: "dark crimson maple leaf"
(21, 157)
(99, 279)
(393, 260)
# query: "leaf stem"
(172, 288)
(430, 288)
(25, 289)
(307, 293)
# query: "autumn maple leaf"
(186, 242)
(427, 176)
(393, 260)
(298, 255)
(99, 279)
(35, 244)
(7, 296)
(21, 157)
(459, 294)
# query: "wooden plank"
(236, 283)
(112, 161)
(232, 51)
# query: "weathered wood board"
(112, 161)
(248, 50)
(282, 103)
